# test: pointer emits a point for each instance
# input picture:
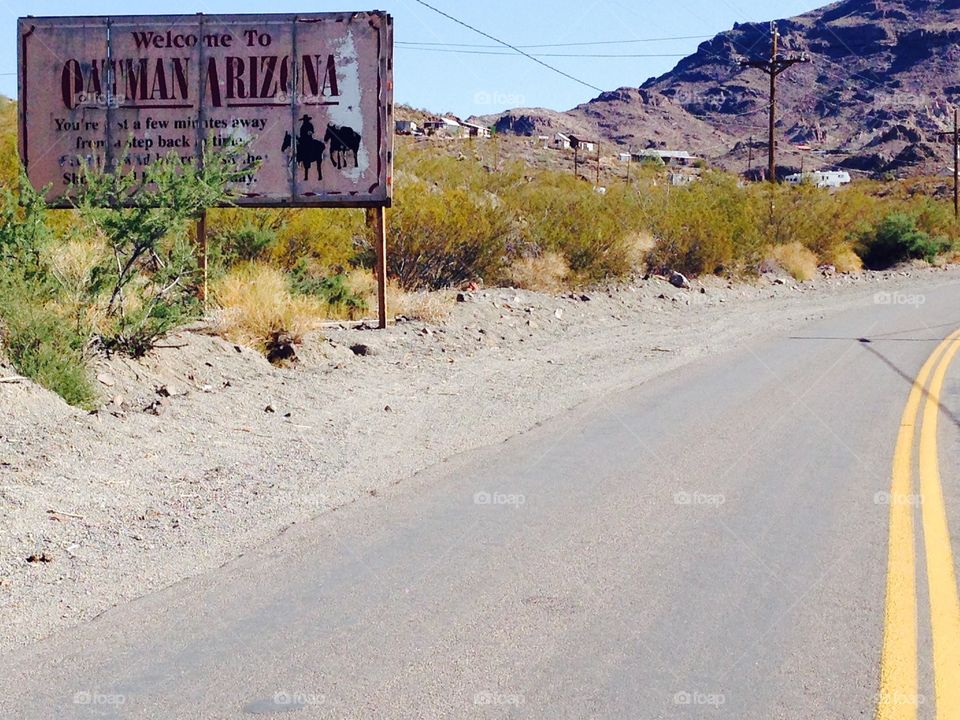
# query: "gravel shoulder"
(203, 449)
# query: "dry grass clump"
(255, 303)
(845, 260)
(547, 273)
(797, 260)
(429, 307)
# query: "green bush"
(151, 279)
(560, 213)
(334, 290)
(445, 237)
(897, 238)
(37, 336)
(42, 345)
(708, 227)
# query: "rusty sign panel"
(309, 96)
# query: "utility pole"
(773, 67)
(956, 162)
(750, 158)
(598, 163)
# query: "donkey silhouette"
(342, 140)
(307, 149)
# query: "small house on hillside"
(561, 141)
(407, 127)
(670, 158)
(445, 127)
(588, 146)
(478, 131)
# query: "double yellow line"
(899, 692)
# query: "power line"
(572, 44)
(542, 55)
(512, 47)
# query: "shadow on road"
(867, 344)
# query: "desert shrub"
(330, 239)
(445, 237)
(150, 281)
(334, 290)
(256, 303)
(707, 227)
(430, 307)
(543, 273)
(796, 259)
(897, 238)
(9, 159)
(42, 345)
(844, 259)
(38, 337)
(593, 232)
(933, 217)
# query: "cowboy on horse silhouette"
(308, 149)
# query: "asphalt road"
(765, 534)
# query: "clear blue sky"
(479, 84)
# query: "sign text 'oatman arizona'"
(308, 96)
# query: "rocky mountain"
(882, 82)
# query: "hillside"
(882, 82)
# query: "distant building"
(821, 178)
(407, 127)
(588, 146)
(445, 127)
(670, 158)
(625, 157)
(477, 130)
(561, 141)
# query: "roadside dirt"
(203, 449)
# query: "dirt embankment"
(203, 449)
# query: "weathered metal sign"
(309, 96)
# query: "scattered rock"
(269, 409)
(157, 407)
(779, 281)
(461, 297)
(280, 348)
(387, 408)
(106, 379)
(43, 557)
(558, 314)
(363, 350)
(679, 280)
